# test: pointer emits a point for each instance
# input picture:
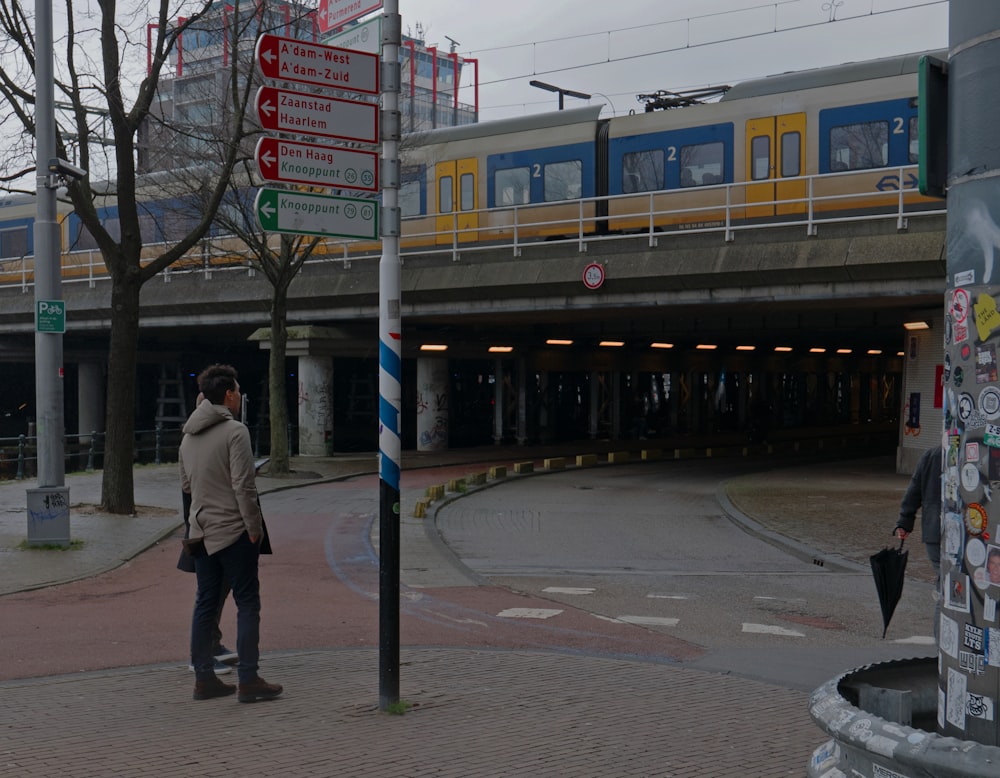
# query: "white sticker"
(956, 701)
(975, 552)
(949, 636)
(989, 606)
(970, 477)
(989, 402)
(979, 706)
(971, 452)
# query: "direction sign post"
(288, 59)
(305, 213)
(283, 110)
(292, 162)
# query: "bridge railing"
(725, 209)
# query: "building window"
(642, 171)
(563, 180)
(859, 146)
(512, 187)
(702, 164)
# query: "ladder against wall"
(171, 403)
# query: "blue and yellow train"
(805, 146)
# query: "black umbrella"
(888, 568)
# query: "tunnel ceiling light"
(845, 351)
(916, 325)
(706, 347)
(746, 348)
(612, 343)
(501, 349)
(899, 353)
(661, 345)
(874, 351)
(433, 347)
(817, 350)
(782, 348)
(559, 342)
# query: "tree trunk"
(278, 413)
(117, 487)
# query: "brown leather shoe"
(207, 690)
(259, 689)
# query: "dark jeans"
(237, 565)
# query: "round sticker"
(989, 402)
(970, 477)
(958, 375)
(979, 578)
(960, 305)
(975, 552)
(966, 405)
(975, 519)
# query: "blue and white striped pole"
(390, 372)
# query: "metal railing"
(725, 209)
(85, 452)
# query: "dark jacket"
(924, 493)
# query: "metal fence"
(85, 452)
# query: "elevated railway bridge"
(727, 326)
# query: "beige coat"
(217, 469)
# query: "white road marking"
(567, 590)
(917, 640)
(767, 629)
(780, 599)
(669, 596)
(528, 613)
(650, 621)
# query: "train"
(799, 146)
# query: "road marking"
(917, 640)
(780, 599)
(669, 596)
(767, 629)
(567, 590)
(528, 613)
(650, 621)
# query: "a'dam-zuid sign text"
(288, 59)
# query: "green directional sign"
(50, 316)
(304, 213)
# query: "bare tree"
(280, 264)
(126, 108)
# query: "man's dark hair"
(215, 381)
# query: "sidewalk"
(478, 712)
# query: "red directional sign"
(287, 59)
(306, 163)
(337, 13)
(283, 110)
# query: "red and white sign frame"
(283, 161)
(593, 275)
(336, 13)
(300, 113)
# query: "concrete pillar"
(522, 402)
(432, 404)
(315, 406)
(90, 399)
(969, 639)
(498, 398)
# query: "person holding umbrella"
(924, 494)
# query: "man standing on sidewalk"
(924, 494)
(217, 468)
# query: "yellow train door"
(457, 200)
(775, 152)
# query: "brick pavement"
(476, 712)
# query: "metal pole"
(969, 667)
(390, 364)
(48, 505)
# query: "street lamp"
(562, 92)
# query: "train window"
(702, 164)
(13, 242)
(467, 191)
(791, 145)
(409, 198)
(563, 180)
(642, 171)
(760, 158)
(446, 199)
(859, 146)
(512, 186)
(914, 140)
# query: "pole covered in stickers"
(969, 630)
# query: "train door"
(457, 200)
(775, 151)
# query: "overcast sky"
(611, 48)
